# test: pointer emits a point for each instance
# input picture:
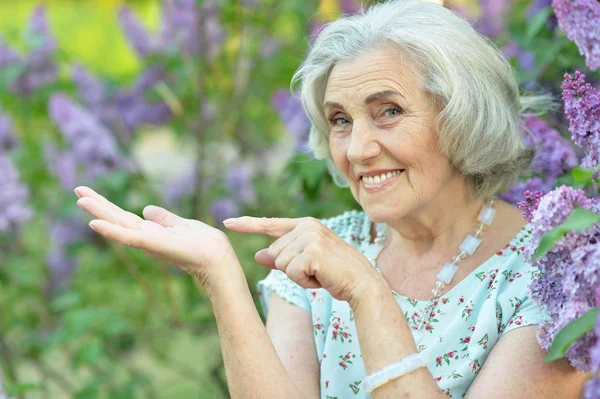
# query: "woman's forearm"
(385, 338)
(252, 366)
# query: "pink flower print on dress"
(327, 384)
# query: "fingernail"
(76, 191)
(230, 221)
(92, 225)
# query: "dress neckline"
(484, 265)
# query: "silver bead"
(436, 293)
(439, 285)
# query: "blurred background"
(185, 104)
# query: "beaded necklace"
(444, 277)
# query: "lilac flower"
(350, 6)
(582, 108)
(179, 188)
(2, 394)
(492, 21)
(63, 165)
(530, 204)
(91, 144)
(7, 134)
(181, 20)
(125, 109)
(143, 42)
(39, 68)
(239, 183)
(293, 116)
(224, 208)
(569, 272)
(579, 20)
(553, 154)
(516, 193)
(61, 266)
(525, 59)
(8, 56)
(592, 387)
(13, 197)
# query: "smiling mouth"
(375, 183)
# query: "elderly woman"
(422, 295)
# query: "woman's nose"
(363, 145)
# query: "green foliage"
(570, 333)
(578, 220)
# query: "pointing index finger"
(274, 227)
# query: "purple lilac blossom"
(63, 165)
(582, 108)
(515, 194)
(2, 394)
(553, 154)
(39, 67)
(13, 197)
(239, 183)
(530, 203)
(8, 56)
(7, 133)
(224, 208)
(592, 387)
(492, 20)
(569, 272)
(350, 6)
(293, 116)
(579, 20)
(61, 266)
(179, 188)
(125, 109)
(180, 23)
(143, 42)
(91, 144)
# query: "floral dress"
(465, 325)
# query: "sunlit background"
(185, 104)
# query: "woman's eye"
(339, 121)
(391, 111)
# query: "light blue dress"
(464, 327)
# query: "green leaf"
(570, 333)
(65, 301)
(89, 353)
(578, 220)
(582, 177)
(536, 23)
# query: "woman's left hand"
(311, 255)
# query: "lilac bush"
(582, 108)
(579, 20)
(14, 197)
(569, 272)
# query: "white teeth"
(381, 178)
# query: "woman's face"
(382, 122)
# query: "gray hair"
(468, 78)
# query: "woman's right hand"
(193, 246)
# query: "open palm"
(193, 246)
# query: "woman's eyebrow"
(382, 94)
(370, 99)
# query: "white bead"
(486, 215)
(470, 244)
(439, 285)
(436, 293)
(447, 272)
